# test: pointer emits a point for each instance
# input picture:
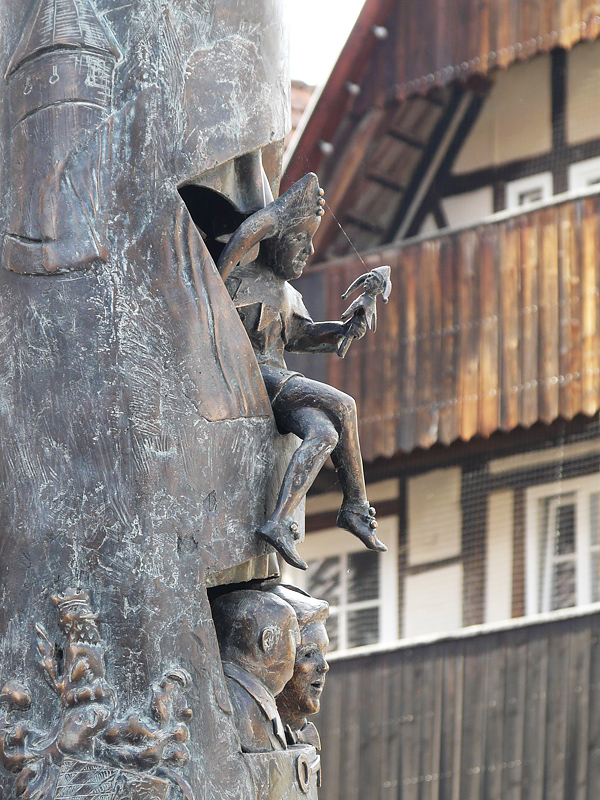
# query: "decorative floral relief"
(92, 750)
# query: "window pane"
(595, 541)
(332, 626)
(363, 576)
(363, 627)
(563, 589)
(531, 196)
(545, 535)
(323, 579)
(564, 542)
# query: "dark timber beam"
(386, 182)
(469, 181)
(560, 164)
(447, 138)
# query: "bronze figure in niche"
(276, 320)
(301, 696)
(258, 636)
(90, 746)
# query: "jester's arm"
(320, 337)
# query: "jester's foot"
(281, 536)
(360, 520)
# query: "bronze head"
(258, 632)
(301, 696)
(285, 229)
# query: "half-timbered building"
(460, 143)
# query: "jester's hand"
(356, 326)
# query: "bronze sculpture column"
(140, 460)
(137, 440)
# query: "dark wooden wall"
(491, 328)
(507, 715)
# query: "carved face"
(295, 248)
(302, 695)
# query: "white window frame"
(542, 180)
(581, 172)
(335, 542)
(580, 490)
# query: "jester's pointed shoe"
(360, 520)
(281, 536)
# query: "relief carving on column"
(60, 84)
(301, 696)
(92, 747)
(273, 645)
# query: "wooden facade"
(490, 343)
(397, 49)
(511, 713)
(487, 329)
(402, 99)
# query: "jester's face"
(294, 248)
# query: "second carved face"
(302, 694)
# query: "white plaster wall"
(434, 516)
(428, 226)
(515, 121)
(331, 501)
(583, 93)
(433, 601)
(539, 458)
(463, 209)
(499, 556)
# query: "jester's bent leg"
(325, 419)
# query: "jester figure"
(276, 320)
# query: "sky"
(318, 31)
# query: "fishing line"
(304, 159)
(338, 223)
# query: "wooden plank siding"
(476, 37)
(507, 714)
(489, 328)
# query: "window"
(529, 190)
(584, 174)
(360, 586)
(350, 584)
(563, 544)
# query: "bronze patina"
(146, 459)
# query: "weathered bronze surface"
(145, 450)
(273, 644)
(258, 635)
(301, 696)
(89, 726)
(138, 443)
